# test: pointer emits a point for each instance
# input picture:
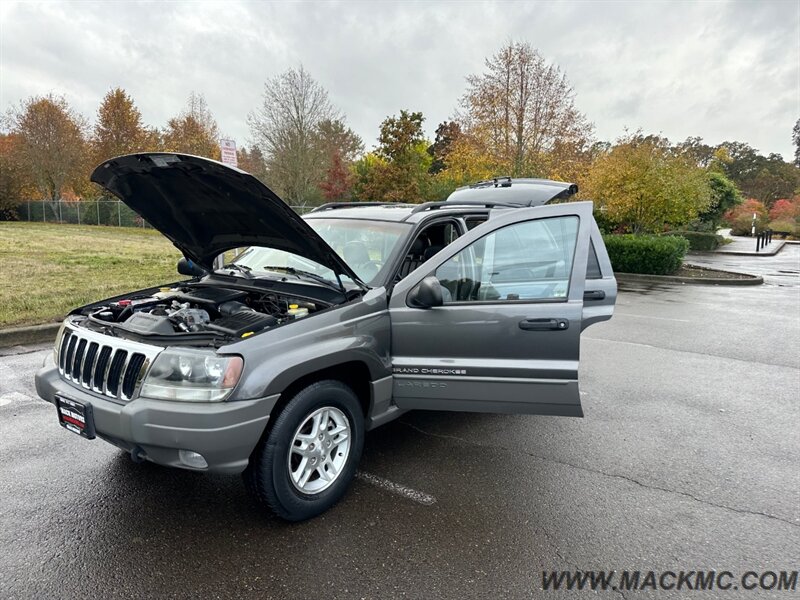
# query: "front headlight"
(57, 347)
(192, 375)
(59, 337)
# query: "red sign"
(227, 149)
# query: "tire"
(276, 474)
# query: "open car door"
(506, 336)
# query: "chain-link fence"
(90, 212)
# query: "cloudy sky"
(719, 70)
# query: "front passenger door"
(507, 337)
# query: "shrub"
(784, 227)
(650, 254)
(702, 241)
(785, 210)
(740, 218)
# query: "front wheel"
(307, 460)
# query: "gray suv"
(316, 329)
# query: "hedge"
(699, 240)
(649, 254)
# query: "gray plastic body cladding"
(489, 395)
(225, 433)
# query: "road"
(687, 458)
(783, 269)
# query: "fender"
(352, 332)
(325, 355)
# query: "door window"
(473, 222)
(526, 261)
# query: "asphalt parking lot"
(687, 459)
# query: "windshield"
(366, 247)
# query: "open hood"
(206, 208)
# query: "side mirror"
(187, 267)
(426, 294)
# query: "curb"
(638, 277)
(781, 244)
(33, 334)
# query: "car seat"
(415, 256)
(356, 256)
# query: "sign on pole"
(227, 149)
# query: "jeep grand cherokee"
(317, 329)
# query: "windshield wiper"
(299, 272)
(245, 270)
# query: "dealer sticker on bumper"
(76, 416)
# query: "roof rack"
(456, 203)
(335, 205)
(502, 181)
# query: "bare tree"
(522, 108)
(285, 127)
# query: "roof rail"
(456, 203)
(335, 205)
(501, 181)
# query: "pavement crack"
(609, 475)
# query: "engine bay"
(197, 314)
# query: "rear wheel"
(306, 462)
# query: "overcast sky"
(718, 70)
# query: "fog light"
(192, 459)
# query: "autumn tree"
(724, 197)
(252, 161)
(784, 216)
(694, 149)
(796, 142)
(194, 130)
(50, 141)
(338, 181)
(766, 178)
(12, 180)
(398, 171)
(643, 187)
(522, 109)
(741, 220)
(119, 128)
(785, 210)
(334, 137)
(285, 128)
(469, 160)
(338, 147)
(447, 134)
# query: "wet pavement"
(687, 458)
(782, 269)
(738, 244)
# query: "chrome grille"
(105, 365)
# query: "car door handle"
(544, 324)
(594, 295)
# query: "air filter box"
(244, 321)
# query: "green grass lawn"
(46, 270)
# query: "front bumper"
(225, 433)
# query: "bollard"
(758, 242)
